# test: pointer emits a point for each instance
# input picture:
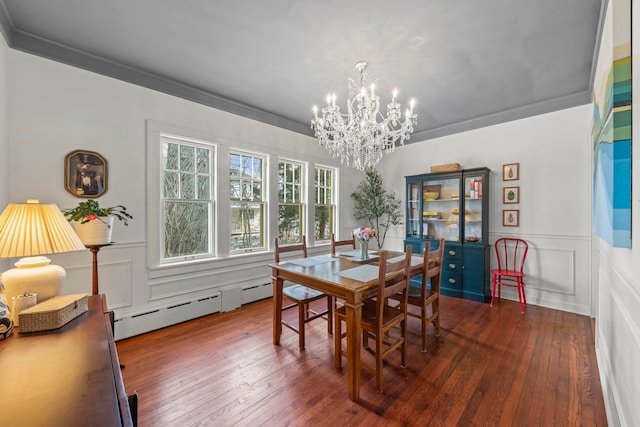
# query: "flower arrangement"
(91, 210)
(364, 233)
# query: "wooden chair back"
(347, 242)
(511, 254)
(432, 265)
(302, 247)
(393, 279)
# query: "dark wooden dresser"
(65, 377)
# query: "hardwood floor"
(490, 367)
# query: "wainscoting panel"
(558, 272)
(618, 335)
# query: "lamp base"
(33, 275)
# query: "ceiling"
(468, 63)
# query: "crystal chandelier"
(357, 137)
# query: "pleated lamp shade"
(32, 228)
(28, 230)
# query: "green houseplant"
(379, 207)
(93, 224)
(91, 210)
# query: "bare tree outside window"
(186, 198)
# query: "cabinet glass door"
(440, 211)
(414, 220)
(473, 208)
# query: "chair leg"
(337, 348)
(521, 296)
(365, 339)
(435, 310)
(379, 364)
(424, 326)
(403, 348)
(331, 306)
(493, 292)
(302, 310)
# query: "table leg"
(94, 270)
(277, 284)
(354, 321)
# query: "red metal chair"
(511, 254)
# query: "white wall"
(618, 320)
(56, 109)
(4, 133)
(554, 152)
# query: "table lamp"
(30, 230)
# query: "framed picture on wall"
(511, 172)
(511, 195)
(511, 217)
(85, 174)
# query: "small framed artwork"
(511, 195)
(511, 218)
(85, 174)
(511, 172)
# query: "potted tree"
(379, 207)
(94, 224)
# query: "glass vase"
(364, 249)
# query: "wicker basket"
(430, 195)
(446, 168)
(53, 313)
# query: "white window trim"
(155, 132)
(335, 196)
(266, 178)
(304, 198)
(196, 143)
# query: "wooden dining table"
(342, 277)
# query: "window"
(290, 207)
(186, 198)
(246, 192)
(325, 203)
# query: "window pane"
(324, 222)
(234, 165)
(203, 160)
(289, 223)
(257, 168)
(186, 228)
(187, 186)
(257, 191)
(204, 191)
(170, 184)
(246, 190)
(325, 205)
(171, 156)
(234, 189)
(297, 193)
(247, 221)
(187, 158)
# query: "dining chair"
(302, 296)
(379, 318)
(511, 254)
(347, 242)
(428, 294)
